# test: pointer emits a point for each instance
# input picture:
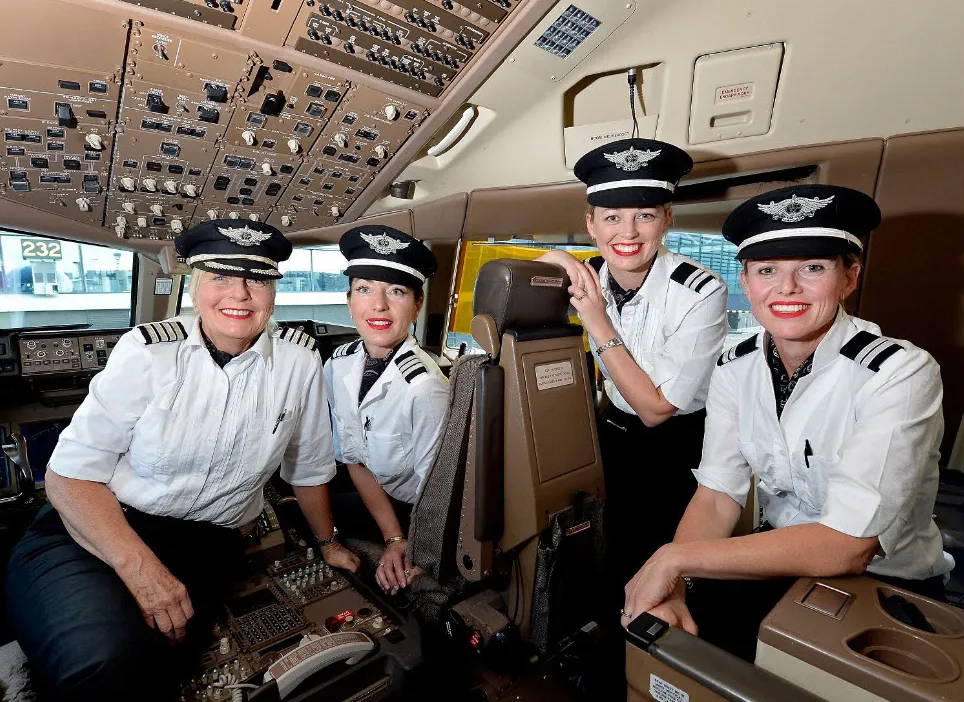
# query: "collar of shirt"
(261, 346)
(373, 368)
(653, 283)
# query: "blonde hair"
(197, 275)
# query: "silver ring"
(624, 613)
(380, 565)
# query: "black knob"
(371, 56)
(338, 16)
(460, 40)
(351, 21)
(421, 74)
(432, 27)
(447, 4)
(211, 3)
(437, 56)
(326, 11)
(226, 6)
(420, 22)
(409, 17)
(313, 34)
(417, 48)
(65, 117)
(325, 39)
(373, 31)
(382, 60)
(394, 64)
(454, 64)
(439, 82)
(363, 25)
(396, 40)
(386, 36)
(155, 103)
(349, 47)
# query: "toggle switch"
(150, 185)
(341, 140)
(294, 146)
(248, 137)
(128, 184)
(157, 210)
(170, 186)
(83, 203)
(128, 207)
(266, 169)
(94, 141)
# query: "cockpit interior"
(127, 123)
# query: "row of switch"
(94, 142)
(150, 185)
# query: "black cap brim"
(630, 197)
(798, 247)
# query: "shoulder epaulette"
(296, 336)
(155, 332)
(346, 349)
(692, 277)
(870, 350)
(410, 365)
(742, 349)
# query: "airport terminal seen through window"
(712, 250)
(47, 282)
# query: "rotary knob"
(157, 210)
(128, 184)
(121, 221)
(212, 214)
(335, 211)
(391, 112)
(83, 203)
(249, 138)
(129, 207)
(150, 185)
(294, 146)
(170, 186)
(285, 221)
(266, 169)
(189, 189)
(254, 217)
(341, 140)
(94, 141)
(177, 226)
(232, 215)
(381, 151)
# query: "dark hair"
(418, 292)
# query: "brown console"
(835, 638)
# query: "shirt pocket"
(149, 453)
(810, 480)
(387, 454)
(275, 437)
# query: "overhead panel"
(734, 93)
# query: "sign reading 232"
(41, 249)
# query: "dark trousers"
(81, 628)
(355, 521)
(729, 612)
(649, 483)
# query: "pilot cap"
(632, 173)
(383, 253)
(802, 220)
(234, 248)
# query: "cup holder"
(943, 619)
(905, 653)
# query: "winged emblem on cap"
(795, 209)
(245, 236)
(384, 244)
(632, 159)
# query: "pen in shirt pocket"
(279, 420)
(807, 452)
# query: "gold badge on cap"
(384, 244)
(632, 159)
(245, 236)
(795, 209)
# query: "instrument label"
(662, 691)
(554, 375)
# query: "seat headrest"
(522, 295)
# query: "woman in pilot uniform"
(165, 457)
(840, 424)
(388, 398)
(656, 323)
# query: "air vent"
(568, 32)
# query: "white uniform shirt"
(855, 448)
(172, 434)
(396, 430)
(673, 327)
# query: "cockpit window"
(47, 282)
(313, 287)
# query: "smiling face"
(627, 237)
(233, 311)
(796, 299)
(383, 313)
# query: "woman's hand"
(394, 571)
(660, 590)
(588, 301)
(162, 598)
(337, 556)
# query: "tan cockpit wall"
(850, 70)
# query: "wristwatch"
(615, 341)
(331, 539)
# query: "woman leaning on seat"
(840, 424)
(388, 398)
(656, 322)
(166, 455)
